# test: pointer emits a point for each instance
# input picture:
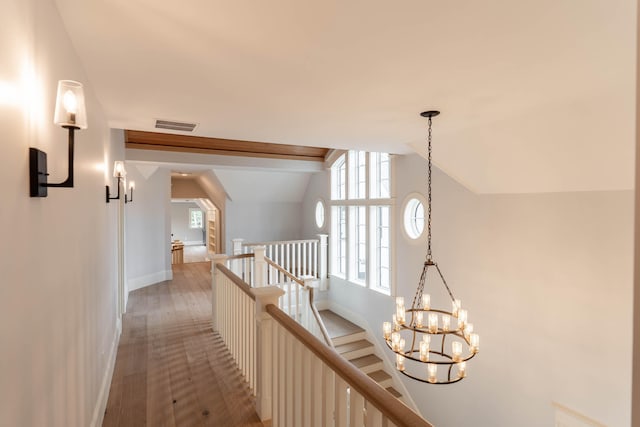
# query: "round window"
(414, 217)
(320, 214)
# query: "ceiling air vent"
(182, 126)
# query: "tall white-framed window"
(381, 247)
(195, 218)
(361, 250)
(357, 174)
(339, 179)
(380, 176)
(339, 240)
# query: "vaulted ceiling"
(535, 95)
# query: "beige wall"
(58, 263)
(186, 188)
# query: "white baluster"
(323, 261)
(340, 410)
(329, 393)
(356, 408)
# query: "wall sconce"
(132, 185)
(118, 172)
(70, 114)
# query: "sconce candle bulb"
(119, 173)
(127, 198)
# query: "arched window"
(361, 219)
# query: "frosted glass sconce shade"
(70, 109)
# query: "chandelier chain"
(429, 196)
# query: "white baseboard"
(105, 386)
(149, 279)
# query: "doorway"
(194, 230)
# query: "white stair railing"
(297, 380)
(302, 258)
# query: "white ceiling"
(263, 185)
(535, 95)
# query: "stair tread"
(352, 346)
(379, 376)
(367, 360)
(394, 392)
(337, 326)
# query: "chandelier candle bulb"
(386, 329)
(426, 301)
(456, 349)
(395, 341)
(400, 362)
(419, 319)
(433, 323)
(400, 311)
(462, 369)
(468, 330)
(455, 306)
(432, 369)
(401, 345)
(424, 351)
(462, 318)
(475, 342)
(396, 325)
(446, 322)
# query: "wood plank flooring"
(172, 369)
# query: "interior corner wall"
(186, 188)
(58, 263)
(262, 221)
(548, 281)
(317, 189)
(148, 229)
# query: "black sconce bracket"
(108, 195)
(38, 169)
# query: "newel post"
(260, 266)
(236, 264)
(264, 343)
(216, 259)
(323, 261)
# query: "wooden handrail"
(316, 314)
(292, 277)
(236, 280)
(384, 401)
(314, 310)
(240, 256)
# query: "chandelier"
(440, 341)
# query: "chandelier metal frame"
(430, 323)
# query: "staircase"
(350, 341)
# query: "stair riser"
(372, 368)
(349, 355)
(386, 383)
(349, 338)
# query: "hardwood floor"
(172, 369)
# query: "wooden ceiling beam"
(135, 139)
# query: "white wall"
(180, 223)
(148, 229)
(262, 221)
(547, 279)
(58, 264)
(317, 189)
